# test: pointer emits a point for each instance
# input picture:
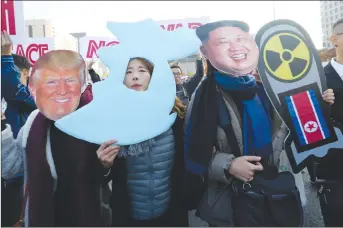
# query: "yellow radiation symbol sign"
(286, 57)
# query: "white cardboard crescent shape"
(120, 113)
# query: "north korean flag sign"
(307, 117)
(294, 80)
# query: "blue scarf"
(209, 111)
(257, 130)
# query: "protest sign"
(56, 84)
(34, 48)
(158, 47)
(12, 20)
(294, 80)
(191, 23)
(90, 44)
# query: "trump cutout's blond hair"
(59, 59)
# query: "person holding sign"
(62, 174)
(141, 113)
(228, 112)
(20, 104)
(135, 201)
(13, 90)
(329, 170)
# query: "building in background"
(65, 41)
(330, 12)
(38, 28)
(188, 65)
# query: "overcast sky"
(91, 16)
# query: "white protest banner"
(90, 44)
(12, 20)
(191, 23)
(34, 48)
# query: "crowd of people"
(50, 178)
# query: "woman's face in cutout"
(137, 76)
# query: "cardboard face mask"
(294, 80)
(123, 113)
(229, 47)
(55, 82)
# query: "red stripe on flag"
(306, 115)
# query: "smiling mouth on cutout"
(61, 101)
(239, 57)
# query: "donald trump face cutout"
(56, 81)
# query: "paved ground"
(312, 212)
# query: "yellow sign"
(286, 56)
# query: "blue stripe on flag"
(319, 114)
(295, 121)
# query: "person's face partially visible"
(337, 38)
(177, 75)
(231, 50)
(137, 76)
(57, 93)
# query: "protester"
(62, 174)
(20, 104)
(94, 76)
(147, 176)
(334, 71)
(19, 100)
(328, 173)
(224, 145)
(24, 66)
(91, 78)
(184, 90)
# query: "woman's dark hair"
(146, 63)
(178, 107)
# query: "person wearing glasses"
(184, 90)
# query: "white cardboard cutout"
(56, 81)
(231, 50)
(120, 113)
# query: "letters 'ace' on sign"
(294, 79)
(12, 20)
(124, 114)
(34, 48)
